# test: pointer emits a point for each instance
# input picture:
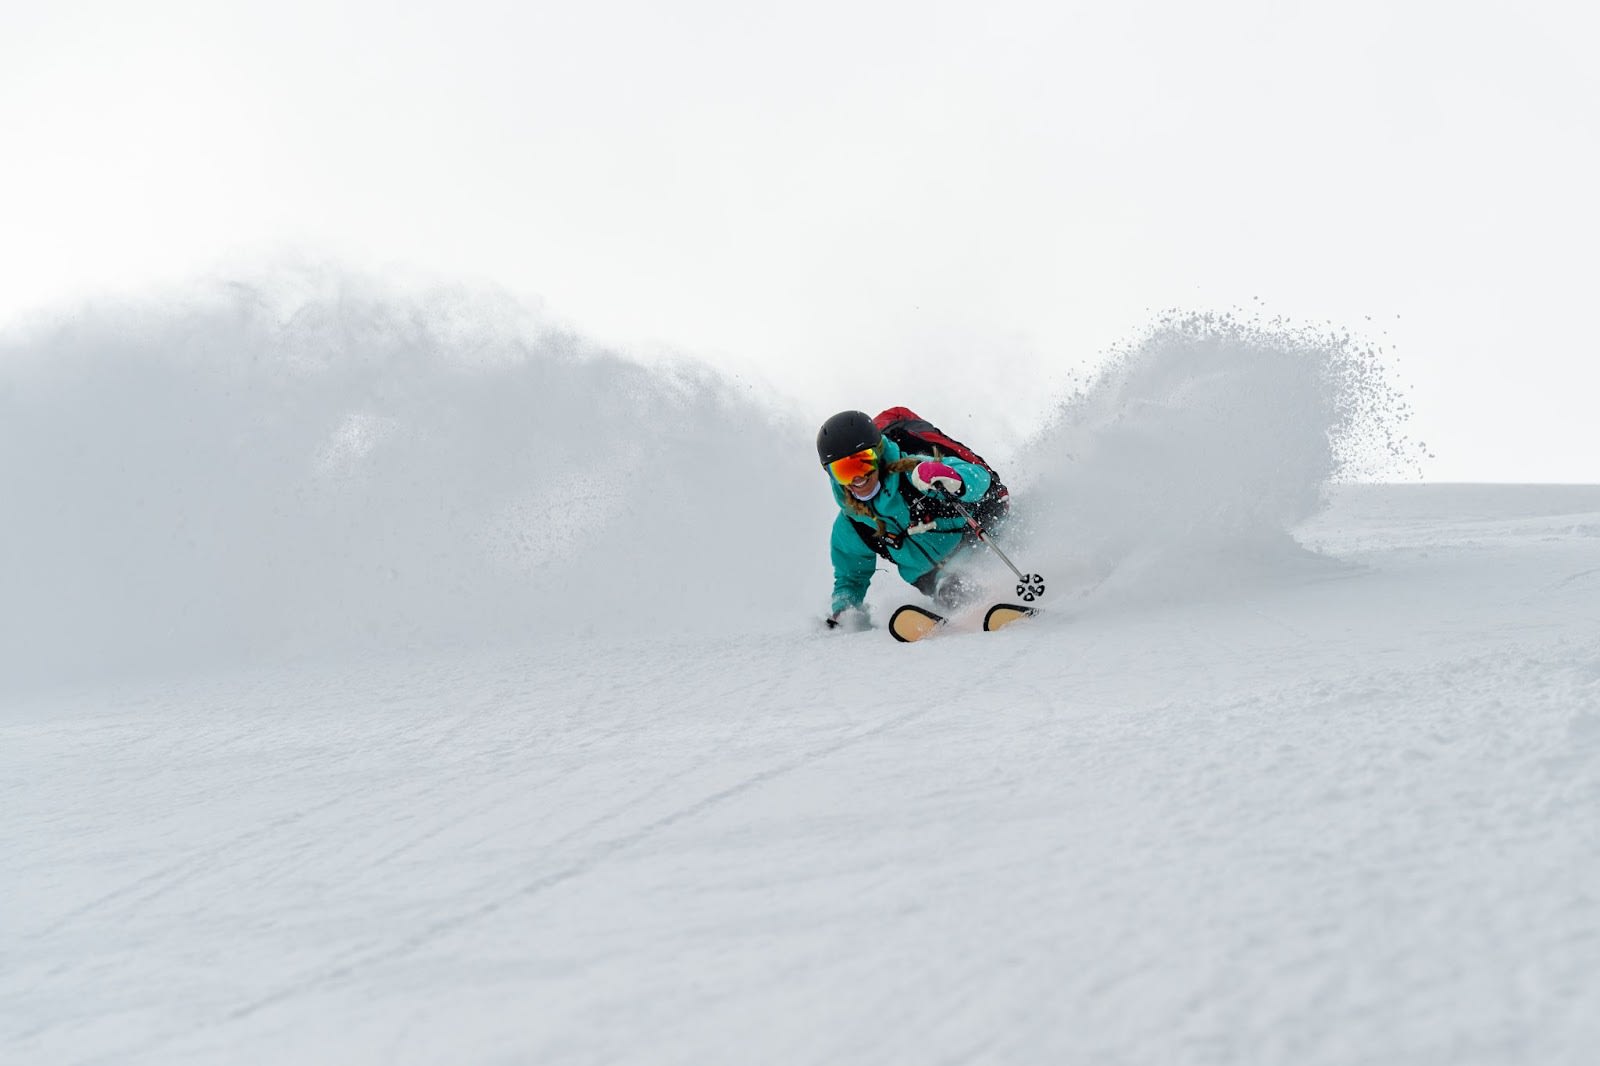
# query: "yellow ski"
(1003, 614)
(912, 623)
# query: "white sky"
(839, 198)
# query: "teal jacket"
(854, 562)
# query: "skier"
(895, 506)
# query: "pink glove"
(936, 476)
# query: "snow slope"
(1271, 781)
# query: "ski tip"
(911, 623)
(1003, 614)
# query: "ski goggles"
(851, 467)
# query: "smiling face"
(865, 486)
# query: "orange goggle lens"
(851, 467)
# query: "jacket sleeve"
(853, 565)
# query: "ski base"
(911, 623)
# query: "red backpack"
(917, 436)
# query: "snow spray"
(1198, 448)
(314, 462)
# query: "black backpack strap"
(871, 539)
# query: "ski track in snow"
(1329, 816)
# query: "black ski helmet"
(845, 434)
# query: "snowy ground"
(389, 681)
(1347, 811)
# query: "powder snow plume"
(312, 462)
(1193, 453)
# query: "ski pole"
(1029, 586)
